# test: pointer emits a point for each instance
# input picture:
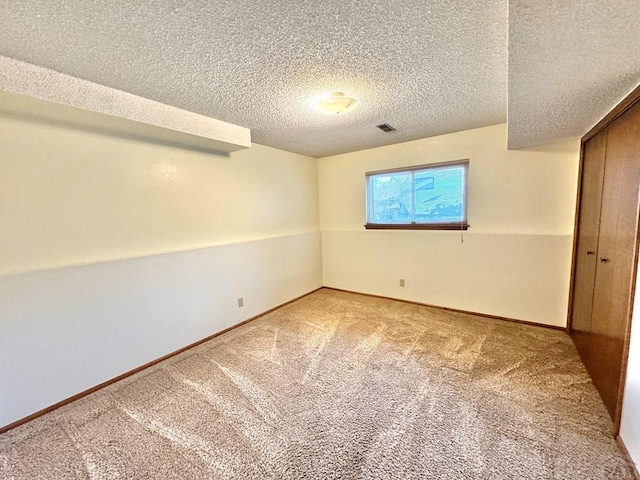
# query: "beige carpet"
(339, 386)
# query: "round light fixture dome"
(336, 104)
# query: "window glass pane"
(419, 197)
(439, 195)
(390, 198)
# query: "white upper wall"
(515, 259)
(510, 191)
(70, 196)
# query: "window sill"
(417, 226)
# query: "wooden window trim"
(451, 163)
(416, 226)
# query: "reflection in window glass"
(425, 195)
(392, 194)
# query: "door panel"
(616, 257)
(587, 242)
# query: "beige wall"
(516, 256)
(630, 421)
(69, 196)
(115, 252)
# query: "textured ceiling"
(427, 67)
(424, 67)
(570, 63)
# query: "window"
(424, 197)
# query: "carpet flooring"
(339, 386)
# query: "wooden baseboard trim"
(457, 310)
(625, 452)
(102, 385)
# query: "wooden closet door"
(615, 269)
(587, 243)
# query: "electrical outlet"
(240, 302)
(402, 282)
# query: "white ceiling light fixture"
(336, 104)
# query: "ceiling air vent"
(385, 127)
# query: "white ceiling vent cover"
(27, 89)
